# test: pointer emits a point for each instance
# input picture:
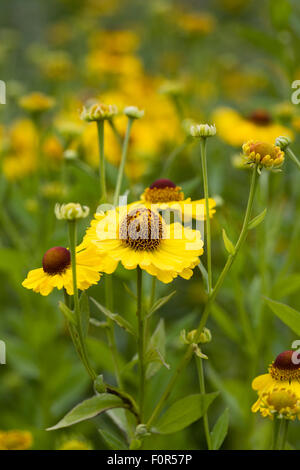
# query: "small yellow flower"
(279, 390)
(75, 444)
(263, 154)
(57, 272)
(140, 237)
(15, 440)
(36, 102)
(163, 194)
(99, 112)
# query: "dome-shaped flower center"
(263, 154)
(142, 230)
(56, 260)
(280, 399)
(285, 367)
(163, 190)
(260, 117)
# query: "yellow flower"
(163, 194)
(263, 154)
(75, 444)
(57, 272)
(15, 440)
(98, 112)
(202, 23)
(279, 390)
(236, 129)
(141, 238)
(36, 102)
(53, 148)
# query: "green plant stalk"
(102, 174)
(189, 353)
(123, 161)
(153, 289)
(141, 342)
(285, 428)
(79, 331)
(200, 370)
(276, 433)
(293, 157)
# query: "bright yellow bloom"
(75, 444)
(163, 194)
(57, 272)
(36, 102)
(236, 129)
(53, 148)
(263, 154)
(15, 440)
(141, 238)
(279, 390)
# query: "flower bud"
(134, 112)
(263, 154)
(203, 130)
(71, 211)
(283, 142)
(99, 112)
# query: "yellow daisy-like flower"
(140, 237)
(263, 154)
(235, 129)
(75, 444)
(15, 440)
(57, 272)
(36, 102)
(163, 194)
(279, 390)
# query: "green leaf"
(287, 314)
(227, 243)
(88, 409)
(156, 351)
(184, 412)
(224, 321)
(68, 313)
(257, 220)
(287, 285)
(159, 303)
(204, 274)
(220, 430)
(120, 321)
(113, 441)
(85, 312)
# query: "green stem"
(141, 337)
(276, 433)
(285, 426)
(293, 157)
(202, 390)
(79, 331)
(207, 219)
(102, 174)
(189, 353)
(123, 161)
(153, 288)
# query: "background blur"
(178, 60)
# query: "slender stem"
(123, 161)
(141, 337)
(202, 390)
(153, 288)
(79, 331)
(207, 219)
(285, 426)
(189, 353)
(276, 433)
(293, 157)
(102, 174)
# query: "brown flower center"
(285, 366)
(260, 117)
(56, 260)
(142, 230)
(163, 190)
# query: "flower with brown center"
(263, 155)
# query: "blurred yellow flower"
(52, 148)
(15, 440)
(36, 102)
(75, 444)
(196, 22)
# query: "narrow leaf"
(68, 313)
(288, 315)
(120, 321)
(88, 409)
(159, 303)
(184, 412)
(257, 220)
(220, 430)
(113, 441)
(227, 243)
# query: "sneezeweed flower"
(235, 128)
(71, 211)
(15, 440)
(99, 112)
(75, 444)
(163, 194)
(263, 154)
(134, 112)
(279, 390)
(140, 237)
(36, 102)
(203, 130)
(56, 271)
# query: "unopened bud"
(134, 112)
(203, 130)
(71, 211)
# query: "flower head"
(99, 112)
(263, 154)
(71, 211)
(279, 390)
(202, 130)
(36, 102)
(57, 272)
(283, 142)
(75, 444)
(134, 112)
(15, 440)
